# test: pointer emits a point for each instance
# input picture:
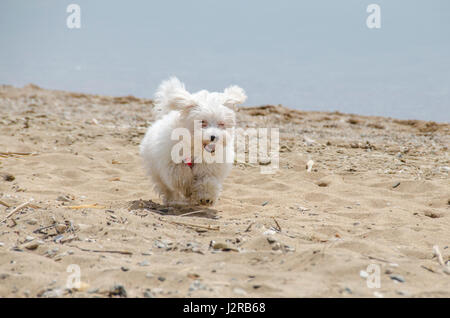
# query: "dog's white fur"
(175, 107)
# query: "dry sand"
(378, 193)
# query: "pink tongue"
(210, 147)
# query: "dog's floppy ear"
(172, 95)
(234, 95)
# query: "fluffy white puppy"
(208, 154)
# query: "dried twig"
(209, 227)
(17, 209)
(5, 204)
(249, 227)
(193, 212)
(39, 230)
(278, 225)
(378, 259)
(13, 154)
(86, 206)
(428, 269)
(102, 251)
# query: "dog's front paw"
(206, 192)
(203, 198)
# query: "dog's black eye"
(204, 123)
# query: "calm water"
(311, 55)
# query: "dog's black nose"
(213, 138)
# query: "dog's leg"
(205, 191)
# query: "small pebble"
(161, 279)
(32, 246)
(125, 269)
(378, 294)
(239, 291)
(309, 165)
(363, 274)
(398, 278)
(31, 222)
(144, 263)
(118, 290)
(63, 198)
(93, 291)
(269, 232)
(60, 228)
(9, 177)
(148, 294)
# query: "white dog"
(193, 180)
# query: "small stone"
(239, 291)
(93, 291)
(2, 244)
(223, 247)
(432, 214)
(271, 240)
(118, 290)
(125, 269)
(149, 275)
(161, 279)
(276, 246)
(29, 239)
(348, 290)
(4, 276)
(32, 246)
(63, 198)
(398, 278)
(148, 294)
(51, 293)
(144, 263)
(378, 294)
(81, 287)
(363, 274)
(309, 165)
(265, 203)
(60, 228)
(8, 177)
(196, 285)
(269, 232)
(31, 221)
(58, 238)
(396, 185)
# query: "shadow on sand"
(188, 211)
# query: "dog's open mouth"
(211, 148)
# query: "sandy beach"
(378, 194)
